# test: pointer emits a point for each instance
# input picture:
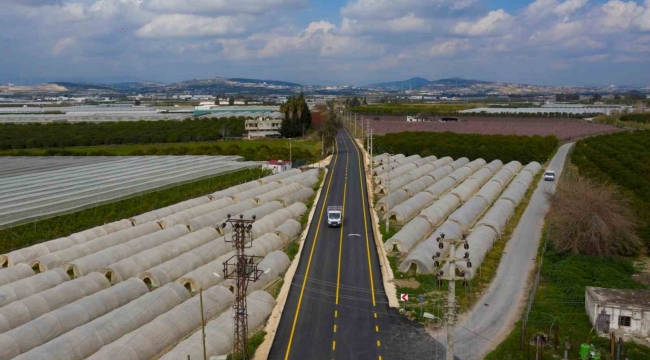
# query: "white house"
(278, 166)
(263, 126)
(621, 311)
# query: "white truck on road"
(334, 216)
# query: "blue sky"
(563, 42)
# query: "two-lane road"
(336, 307)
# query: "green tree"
(297, 117)
(231, 100)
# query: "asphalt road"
(336, 308)
(499, 308)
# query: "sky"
(326, 42)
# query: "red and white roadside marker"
(404, 297)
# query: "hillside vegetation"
(622, 159)
(489, 147)
(29, 136)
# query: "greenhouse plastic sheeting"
(175, 268)
(182, 217)
(533, 168)
(412, 233)
(438, 212)
(252, 193)
(422, 255)
(391, 200)
(87, 339)
(468, 213)
(31, 307)
(277, 193)
(269, 222)
(168, 210)
(425, 160)
(234, 190)
(60, 321)
(394, 184)
(411, 207)
(100, 259)
(219, 332)
(289, 230)
(441, 187)
(62, 257)
(299, 178)
(259, 212)
(379, 179)
(23, 288)
(273, 265)
(204, 278)
(309, 182)
(15, 273)
(153, 338)
(515, 192)
(442, 172)
(30, 253)
(215, 218)
(379, 158)
(408, 160)
(506, 173)
(302, 195)
(490, 191)
(461, 173)
(280, 176)
(480, 242)
(498, 216)
(422, 170)
(145, 260)
(419, 185)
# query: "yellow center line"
(334, 327)
(311, 253)
(378, 343)
(345, 190)
(336, 313)
(376, 328)
(333, 345)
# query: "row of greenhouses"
(129, 289)
(437, 198)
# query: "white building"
(620, 311)
(263, 126)
(278, 166)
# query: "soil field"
(563, 128)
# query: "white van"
(549, 175)
(334, 214)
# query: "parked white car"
(549, 175)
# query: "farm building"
(627, 311)
(278, 166)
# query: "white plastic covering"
(31, 307)
(422, 170)
(461, 173)
(183, 217)
(302, 195)
(480, 241)
(379, 179)
(441, 187)
(15, 273)
(23, 288)
(204, 278)
(252, 193)
(215, 218)
(498, 216)
(52, 325)
(280, 176)
(394, 184)
(176, 267)
(64, 256)
(425, 160)
(391, 200)
(467, 214)
(219, 332)
(259, 212)
(167, 329)
(379, 158)
(490, 190)
(87, 339)
(300, 178)
(145, 260)
(235, 190)
(168, 210)
(32, 252)
(438, 212)
(506, 173)
(408, 160)
(409, 235)
(269, 222)
(515, 192)
(100, 259)
(392, 159)
(419, 185)
(533, 168)
(273, 265)
(422, 256)
(277, 193)
(442, 172)
(411, 207)
(289, 230)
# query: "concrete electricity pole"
(242, 268)
(390, 168)
(451, 259)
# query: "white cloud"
(228, 6)
(540, 9)
(593, 58)
(392, 9)
(449, 47)
(181, 25)
(492, 22)
(619, 14)
(62, 45)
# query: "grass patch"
(64, 225)
(274, 290)
(559, 303)
(292, 250)
(252, 150)
(253, 343)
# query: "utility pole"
(389, 168)
(242, 268)
(452, 278)
(290, 155)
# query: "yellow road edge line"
(311, 253)
(345, 190)
(365, 224)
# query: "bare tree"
(592, 218)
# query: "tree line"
(489, 147)
(29, 136)
(297, 117)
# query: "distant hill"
(268, 82)
(136, 86)
(82, 87)
(412, 83)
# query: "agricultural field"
(622, 159)
(489, 147)
(562, 128)
(251, 150)
(410, 109)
